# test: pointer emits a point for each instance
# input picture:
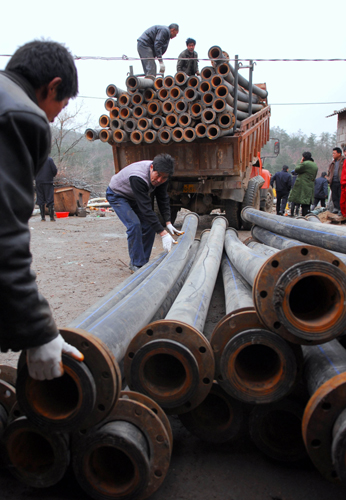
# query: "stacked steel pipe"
(179, 108)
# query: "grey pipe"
(312, 233)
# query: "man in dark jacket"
(321, 190)
(333, 178)
(152, 44)
(188, 59)
(129, 193)
(283, 182)
(45, 188)
(36, 85)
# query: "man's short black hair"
(173, 26)
(190, 40)
(41, 61)
(323, 174)
(285, 168)
(163, 163)
(337, 149)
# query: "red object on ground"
(61, 215)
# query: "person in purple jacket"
(129, 193)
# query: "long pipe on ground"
(252, 364)
(280, 242)
(171, 360)
(325, 375)
(88, 390)
(127, 457)
(218, 419)
(298, 292)
(312, 233)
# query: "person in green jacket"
(303, 189)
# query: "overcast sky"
(264, 29)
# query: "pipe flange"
(187, 349)
(339, 446)
(150, 424)
(299, 293)
(276, 430)
(218, 419)
(36, 457)
(8, 397)
(320, 414)
(242, 329)
(153, 406)
(104, 368)
(61, 404)
(8, 374)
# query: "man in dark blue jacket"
(283, 182)
(321, 190)
(152, 44)
(45, 189)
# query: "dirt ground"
(77, 261)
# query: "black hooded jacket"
(25, 317)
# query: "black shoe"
(133, 268)
(280, 213)
(335, 211)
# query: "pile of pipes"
(180, 108)
(274, 366)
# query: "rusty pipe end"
(36, 457)
(320, 416)
(218, 419)
(172, 363)
(82, 396)
(258, 367)
(302, 290)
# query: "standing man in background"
(152, 44)
(190, 67)
(334, 176)
(283, 182)
(321, 190)
(36, 85)
(45, 188)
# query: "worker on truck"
(129, 193)
(152, 44)
(188, 59)
(36, 85)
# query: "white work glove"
(167, 242)
(162, 67)
(44, 362)
(172, 229)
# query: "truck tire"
(232, 211)
(267, 200)
(252, 197)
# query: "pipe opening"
(56, 399)
(257, 363)
(164, 373)
(314, 299)
(131, 82)
(112, 470)
(31, 452)
(282, 430)
(213, 412)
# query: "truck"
(225, 173)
